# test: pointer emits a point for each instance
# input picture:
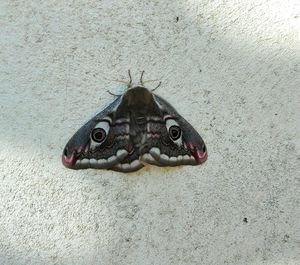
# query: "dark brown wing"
(101, 143)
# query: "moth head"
(86, 140)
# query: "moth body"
(137, 128)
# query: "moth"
(137, 128)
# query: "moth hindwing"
(137, 128)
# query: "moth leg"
(124, 82)
(130, 79)
(113, 93)
(141, 78)
(156, 87)
(144, 82)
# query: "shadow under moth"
(137, 128)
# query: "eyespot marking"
(99, 134)
(174, 131)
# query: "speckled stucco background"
(231, 68)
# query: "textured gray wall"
(231, 68)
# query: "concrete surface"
(231, 68)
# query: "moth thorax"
(139, 97)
